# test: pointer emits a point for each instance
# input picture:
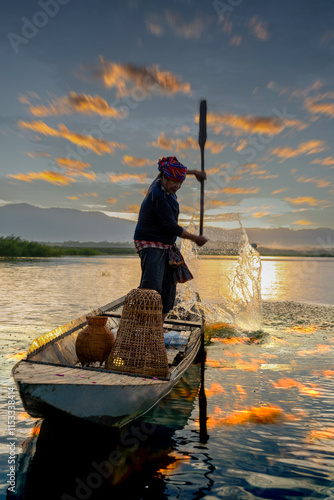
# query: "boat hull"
(50, 382)
(111, 406)
(110, 399)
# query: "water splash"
(246, 286)
(238, 303)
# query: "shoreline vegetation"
(15, 247)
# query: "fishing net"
(140, 346)
(232, 267)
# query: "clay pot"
(94, 342)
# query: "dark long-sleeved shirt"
(158, 216)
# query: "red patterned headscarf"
(172, 168)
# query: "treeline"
(14, 246)
(94, 244)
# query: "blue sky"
(95, 92)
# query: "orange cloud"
(76, 103)
(329, 161)
(327, 37)
(173, 22)
(247, 167)
(216, 203)
(320, 183)
(242, 144)
(212, 171)
(302, 222)
(89, 175)
(250, 124)
(47, 175)
(73, 168)
(321, 104)
(23, 99)
(304, 93)
(304, 200)
(144, 79)
(111, 200)
(40, 154)
(235, 40)
(140, 178)
(83, 195)
(258, 28)
(258, 215)
(88, 104)
(190, 209)
(279, 191)
(134, 161)
(99, 146)
(234, 190)
(226, 25)
(69, 164)
(253, 170)
(154, 25)
(133, 208)
(259, 172)
(269, 176)
(304, 148)
(214, 147)
(177, 145)
(183, 29)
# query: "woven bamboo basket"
(94, 343)
(140, 346)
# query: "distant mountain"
(322, 237)
(61, 224)
(279, 238)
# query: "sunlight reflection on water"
(288, 366)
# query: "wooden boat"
(142, 444)
(51, 380)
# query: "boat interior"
(58, 347)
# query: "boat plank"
(46, 374)
(171, 355)
(48, 355)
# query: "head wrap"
(172, 168)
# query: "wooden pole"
(201, 396)
(203, 433)
(201, 142)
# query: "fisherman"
(157, 229)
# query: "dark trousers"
(157, 275)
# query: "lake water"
(269, 392)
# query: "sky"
(94, 92)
